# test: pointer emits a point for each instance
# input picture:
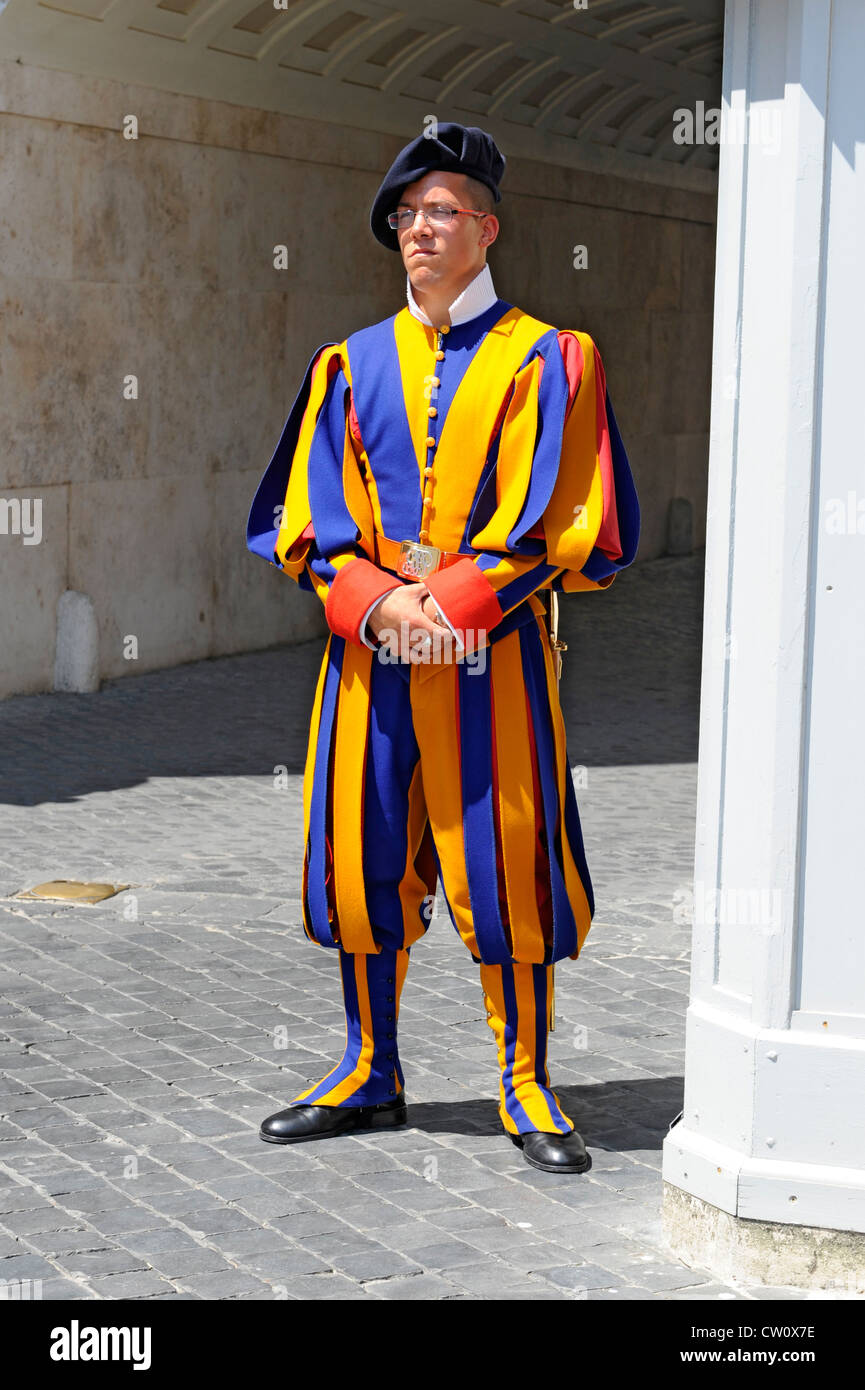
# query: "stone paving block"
(316, 1286)
(472, 1217)
(582, 1276)
(415, 1288)
(445, 1255)
(26, 1266)
(311, 1222)
(491, 1240)
(64, 1290)
(494, 1279)
(24, 1223)
(88, 1263)
(119, 1223)
(380, 1264)
(346, 1241)
(219, 1221)
(539, 1256)
(137, 1284)
(197, 1260)
(282, 1265)
(180, 1204)
(147, 1243)
(371, 1216)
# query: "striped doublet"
(494, 438)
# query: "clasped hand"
(404, 618)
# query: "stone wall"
(152, 258)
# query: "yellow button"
(427, 471)
(430, 443)
(445, 328)
(427, 501)
(434, 382)
(423, 537)
(432, 411)
(440, 357)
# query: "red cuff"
(355, 587)
(467, 597)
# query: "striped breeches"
(457, 771)
(517, 999)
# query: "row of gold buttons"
(432, 412)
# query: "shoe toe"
(299, 1122)
(296, 1122)
(565, 1153)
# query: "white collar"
(476, 298)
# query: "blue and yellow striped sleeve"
(564, 512)
(311, 515)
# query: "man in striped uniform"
(436, 473)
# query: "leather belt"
(412, 559)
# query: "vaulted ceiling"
(587, 87)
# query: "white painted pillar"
(773, 1128)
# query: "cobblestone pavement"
(144, 1038)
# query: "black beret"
(456, 149)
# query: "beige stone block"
(165, 563)
(145, 551)
(148, 209)
(253, 604)
(324, 222)
(213, 381)
(774, 1254)
(37, 211)
(64, 352)
(32, 579)
(318, 317)
(537, 178)
(631, 262)
(89, 100)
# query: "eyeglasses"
(438, 216)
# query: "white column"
(773, 1128)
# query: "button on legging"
(369, 1071)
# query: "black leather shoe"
(300, 1123)
(554, 1153)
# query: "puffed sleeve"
(559, 507)
(311, 514)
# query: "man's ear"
(489, 231)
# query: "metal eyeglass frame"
(393, 217)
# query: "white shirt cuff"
(460, 644)
(362, 632)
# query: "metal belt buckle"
(416, 561)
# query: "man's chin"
(423, 273)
